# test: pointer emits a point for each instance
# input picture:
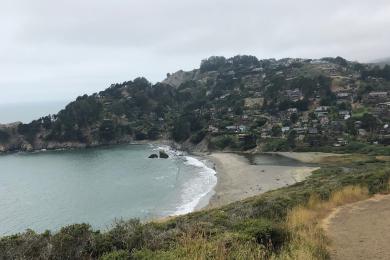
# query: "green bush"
(126, 234)
(72, 242)
(153, 133)
(264, 231)
(223, 141)
(275, 145)
(198, 137)
(116, 255)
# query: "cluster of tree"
(145, 111)
(368, 122)
(29, 131)
(77, 115)
(4, 136)
(185, 125)
(338, 60)
(301, 105)
(377, 72)
(217, 63)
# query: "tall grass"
(198, 246)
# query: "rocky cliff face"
(179, 77)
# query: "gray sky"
(57, 50)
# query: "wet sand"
(238, 179)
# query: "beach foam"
(195, 189)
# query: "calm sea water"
(26, 112)
(47, 190)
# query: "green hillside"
(238, 104)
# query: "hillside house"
(344, 114)
(383, 109)
(378, 96)
(294, 95)
(213, 129)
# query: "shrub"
(198, 137)
(275, 145)
(153, 133)
(222, 142)
(72, 242)
(116, 255)
(140, 135)
(126, 234)
(264, 231)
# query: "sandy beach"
(238, 179)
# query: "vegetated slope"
(262, 227)
(237, 103)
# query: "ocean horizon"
(25, 112)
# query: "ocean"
(26, 112)
(50, 189)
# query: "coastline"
(205, 180)
(237, 179)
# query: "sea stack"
(163, 154)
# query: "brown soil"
(360, 230)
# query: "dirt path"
(360, 230)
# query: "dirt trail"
(360, 230)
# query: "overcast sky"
(57, 50)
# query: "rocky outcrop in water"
(163, 155)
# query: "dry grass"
(383, 158)
(345, 158)
(196, 245)
(308, 240)
(347, 195)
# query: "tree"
(291, 138)
(29, 131)
(153, 133)
(212, 63)
(261, 121)
(276, 131)
(107, 130)
(369, 122)
(284, 105)
(4, 136)
(350, 126)
(341, 61)
(181, 130)
(302, 105)
(294, 118)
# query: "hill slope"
(237, 103)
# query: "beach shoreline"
(238, 179)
